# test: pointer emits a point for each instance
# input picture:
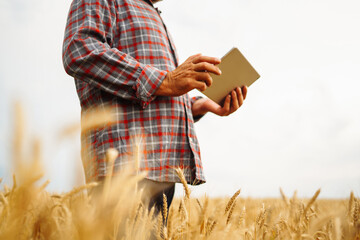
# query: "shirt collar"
(149, 2)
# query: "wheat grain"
(180, 207)
(199, 204)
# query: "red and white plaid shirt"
(119, 52)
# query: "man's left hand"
(232, 103)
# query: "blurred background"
(299, 128)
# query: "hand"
(233, 102)
(193, 73)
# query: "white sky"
(299, 127)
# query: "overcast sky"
(299, 128)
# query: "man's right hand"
(192, 74)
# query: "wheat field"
(29, 211)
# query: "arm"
(88, 55)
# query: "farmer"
(121, 55)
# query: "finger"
(240, 96)
(204, 66)
(191, 58)
(208, 59)
(204, 77)
(244, 91)
(234, 101)
(199, 85)
(213, 107)
(226, 107)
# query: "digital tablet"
(236, 72)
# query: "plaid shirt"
(119, 52)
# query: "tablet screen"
(236, 72)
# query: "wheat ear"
(351, 202)
(232, 199)
(230, 212)
(44, 185)
(356, 212)
(181, 176)
(165, 207)
(79, 189)
(211, 228)
(312, 200)
(284, 197)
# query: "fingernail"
(218, 59)
(220, 71)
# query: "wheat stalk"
(111, 155)
(170, 223)
(160, 228)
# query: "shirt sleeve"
(88, 54)
(192, 100)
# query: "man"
(121, 55)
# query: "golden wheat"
(114, 210)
